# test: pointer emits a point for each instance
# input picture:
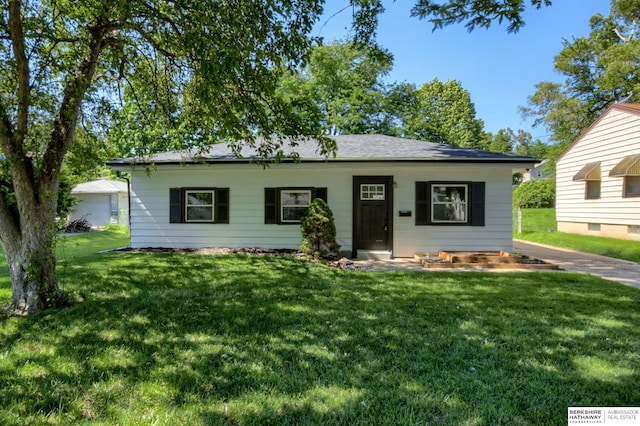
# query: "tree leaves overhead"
(365, 21)
(173, 60)
(475, 13)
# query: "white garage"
(101, 202)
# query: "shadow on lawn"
(251, 340)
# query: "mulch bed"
(214, 250)
(343, 263)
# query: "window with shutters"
(293, 204)
(287, 205)
(450, 203)
(199, 205)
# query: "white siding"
(95, 208)
(614, 136)
(123, 208)
(102, 209)
(150, 225)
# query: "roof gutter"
(333, 160)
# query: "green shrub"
(535, 194)
(318, 230)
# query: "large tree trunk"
(32, 265)
(27, 224)
(33, 280)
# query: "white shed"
(598, 177)
(101, 202)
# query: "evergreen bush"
(318, 230)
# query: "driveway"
(622, 271)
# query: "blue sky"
(498, 69)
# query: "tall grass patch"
(539, 225)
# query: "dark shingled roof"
(351, 148)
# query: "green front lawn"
(539, 225)
(169, 339)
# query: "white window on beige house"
(591, 175)
(628, 169)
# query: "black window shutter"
(270, 205)
(320, 193)
(423, 205)
(222, 205)
(175, 205)
(477, 203)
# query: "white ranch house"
(389, 196)
(598, 177)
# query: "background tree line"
(342, 90)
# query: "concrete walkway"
(622, 271)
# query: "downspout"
(122, 176)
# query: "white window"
(632, 186)
(592, 191)
(449, 203)
(199, 206)
(372, 192)
(293, 204)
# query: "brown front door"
(372, 206)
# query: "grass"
(539, 225)
(169, 339)
(72, 250)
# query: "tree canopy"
(439, 112)
(600, 69)
(342, 91)
(475, 13)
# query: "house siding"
(150, 225)
(94, 208)
(98, 209)
(615, 135)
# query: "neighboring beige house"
(598, 177)
(101, 202)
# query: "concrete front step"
(374, 255)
